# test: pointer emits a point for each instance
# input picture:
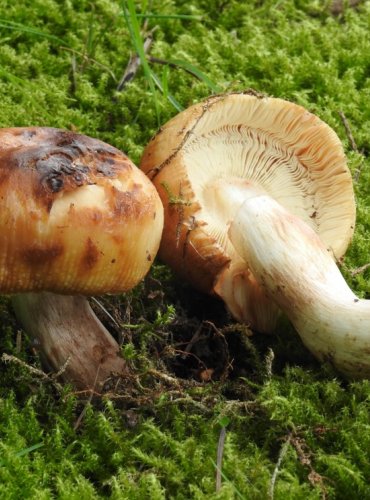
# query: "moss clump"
(293, 428)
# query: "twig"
(86, 58)
(18, 342)
(352, 141)
(106, 312)
(269, 359)
(184, 353)
(193, 340)
(360, 270)
(133, 65)
(8, 358)
(220, 453)
(304, 456)
(228, 362)
(348, 131)
(189, 401)
(73, 74)
(61, 369)
(164, 377)
(281, 456)
(83, 412)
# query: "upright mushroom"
(77, 218)
(297, 271)
(204, 163)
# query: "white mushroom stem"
(236, 285)
(69, 334)
(289, 260)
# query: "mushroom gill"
(200, 161)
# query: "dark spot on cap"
(83, 169)
(113, 261)
(28, 133)
(55, 184)
(106, 168)
(356, 300)
(149, 257)
(38, 255)
(79, 179)
(91, 255)
(105, 148)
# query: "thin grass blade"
(198, 73)
(10, 25)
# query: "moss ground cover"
(294, 429)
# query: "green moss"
(158, 439)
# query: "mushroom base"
(69, 335)
(298, 272)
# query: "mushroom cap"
(274, 145)
(77, 216)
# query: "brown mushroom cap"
(273, 144)
(77, 216)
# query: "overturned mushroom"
(297, 271)
(77, 218)
(207, 158)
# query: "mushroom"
(77, 218)
(205, 161)
(296, 269)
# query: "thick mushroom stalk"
(77, 218)
(70, 338)
(297, 271)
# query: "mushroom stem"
(68, 333)
(235, 284)
(298, 272)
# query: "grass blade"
(137, 40)
(170, 97)
(10, 25)
(25, 451)
(177, 63)
(198, 73)
(12, 78)
(170, 16)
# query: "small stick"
(8, 358)
(360, 270)
(282, 454)
(352, 142)
(92, 392)
(18, 342)
(62, 369)
(220, 453)
(348, 131)
(193, 340)
(86, 59)
(133, 65)
(105, 311)
(73, 74)
(269, 359)
(163, 376)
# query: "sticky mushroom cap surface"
(77, 216)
